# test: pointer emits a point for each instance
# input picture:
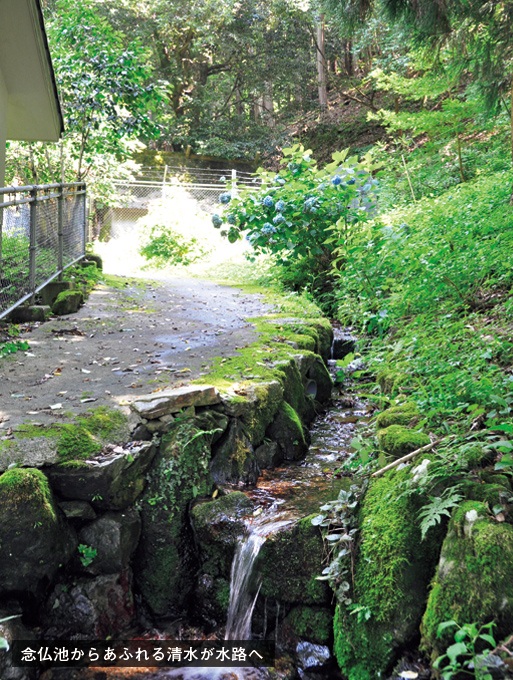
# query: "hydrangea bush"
(293, 212)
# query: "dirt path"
(125, 342)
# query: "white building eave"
(33, 108)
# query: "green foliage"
(463, 656)
(7, 348)
(166, 247)
(290, 216)
(431, 514)
(87, 554)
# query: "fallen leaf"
(56, 407)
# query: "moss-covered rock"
(166, 565)
(397, 415)
(67, 302)
(256, 405)
(35, 540)
(397, 440)
(474, 579)
(389, 380)
(314, 624)
(233, 458)
(391, 577)
(288, 374)
(218, 527)
(291, 560)
(288, 432)
(320, 375)
(112, 483)
(491, 494)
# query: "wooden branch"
(411, 455)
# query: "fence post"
(32, 247)
(60, 231)
(164, 183)
(234, 182)
(85, 217)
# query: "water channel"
(283, 496)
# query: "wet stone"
(114, 537)
(160, 404)
(111, 482)
(312, 656)
(80, 510)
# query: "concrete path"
(125, 342)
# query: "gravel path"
(125, 342)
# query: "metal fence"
(43, 230)
(196, 187)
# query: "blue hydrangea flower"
(225, 198)
(293, 167)
(350, 181)
(336, 180)
(278, 219)
(310, 204)
(231, 218)
(280, 205)
(268, 229)
(268, 202)
(216, 221)
(222, 179)
(250, 237)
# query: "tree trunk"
(511, 197)
(348, 59)
(321, 65)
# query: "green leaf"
(456, 650)
(443, 626)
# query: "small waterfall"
(244, 582)
(242, 600)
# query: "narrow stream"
(284, 495)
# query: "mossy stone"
(218, 526)
(492, 477)
(389, 380)
(256, 406)
(397, 440)
(320, 375)
(397, 415)
(233, 458)
(166, 564)
(287, 430)
(491, 494)
(391, 576)
(67, 302)
(474, 579)
(291, 560)
(35, 540)
(293, 388)
(314, 624)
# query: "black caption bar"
(143, 653)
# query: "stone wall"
(85, 540)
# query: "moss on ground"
(81, 439)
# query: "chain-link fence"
(42, 231)
(198, 187)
